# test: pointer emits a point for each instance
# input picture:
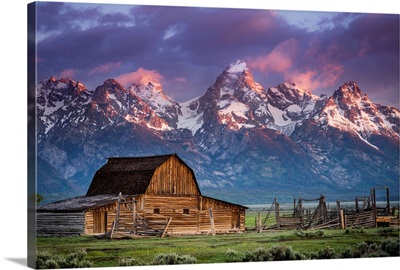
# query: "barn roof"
(129, 175)
(226, 202)
(78, 204)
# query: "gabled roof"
(129, 175)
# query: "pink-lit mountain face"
(244, 142)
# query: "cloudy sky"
(186, 48)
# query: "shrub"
(41, 259)
(51, 264)
(362, 247)
(369, 249)
(375, 254)
(386, 230)
(173, 258)
(45, 260)
(281, 253)
(326, 253)
(346, 254)
(354, 231)
(391, 247)
(130, 262)
(75, 260)
(233, 256)
(257, 255)
(274, 253)
(309, 234)
(313, 255)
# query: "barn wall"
(227, 216)
(99, 220)
(173, 177)
(189, 215)
(50, 223)
(182, 209)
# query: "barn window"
(186, 211)
(156, 210)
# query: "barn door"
(99, 221)
(235, 221)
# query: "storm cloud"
(186, 48)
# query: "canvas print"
(193, 135)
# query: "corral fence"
(363, 212)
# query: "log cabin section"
(159, 188)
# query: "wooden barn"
(141, 196)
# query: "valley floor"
(249, 246)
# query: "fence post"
(341, 218)
(278, 219)
(388, 200)
(301, 212)
(212, 222)
(259, 228)
(134, 215)
(374, 205)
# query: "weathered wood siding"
(173, 177)
(97, 222)
(227, 216)
(224, 221)
(182, 209)
(50, 223)
(100, 220)
(89, 223)
(190, 214)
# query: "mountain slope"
(350, 142)
(245, 143)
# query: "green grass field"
(209, 249)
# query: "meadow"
(248, 246)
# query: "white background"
(13, 106)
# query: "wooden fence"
(364, 213)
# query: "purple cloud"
(196, 44)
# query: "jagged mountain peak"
(109, 90)
(236, 80)
(52, 79)
(290, 91)
(289, 106)
(239, 66)
(349, 97)
(237, 134)
(112, 84)
(348, 91)
(150, 81)
(60, 102)
(239, 70)
(148, 88)
(63, 84)
(292, 87)
(349, 110)
(151, 91)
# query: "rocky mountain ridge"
(239, 137)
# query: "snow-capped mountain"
(350, 110)
(352, 141)
(149, 90)
(114, 104)
(237, 101)
(60, 103)
(239, 137)
(289, 106)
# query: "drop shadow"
(20, 261)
